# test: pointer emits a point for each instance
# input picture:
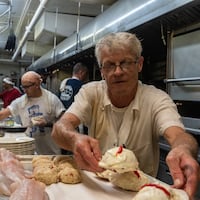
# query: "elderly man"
(38, 109)
(122, 110)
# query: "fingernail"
(177, 182)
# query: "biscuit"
(69, 175)
(41, 162)
(60, 159)
(58, 168)
(64, 165)
(36, 120)
(46, 174)
(39, 157)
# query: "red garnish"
(157, 186)
(136, 173)
(119, 150)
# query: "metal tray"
(11, 129)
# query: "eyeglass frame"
(123, 65)
(25, 87)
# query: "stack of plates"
(18, 145)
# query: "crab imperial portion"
(120, 160)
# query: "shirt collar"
(74, 77)
(134, 105)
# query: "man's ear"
(140, 63)
(102, 76)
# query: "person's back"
(71, 89)
(70, 86)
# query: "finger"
(85, 156)
(175, 170)
(188, 171)
(192, 180)
(96, 150)
(84, 164)
(92, 161)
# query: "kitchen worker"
(69, 87)
(10, 91)
(121, 110)
(38, 109)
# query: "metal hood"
(121, 16)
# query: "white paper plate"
(14, 140)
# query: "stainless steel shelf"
(174, 80)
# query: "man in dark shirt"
(69, 87)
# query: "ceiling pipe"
(22, 17)
(134, 13)
(29, 28)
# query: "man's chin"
(119, 90)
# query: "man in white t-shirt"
(38, 109)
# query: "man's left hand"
(184, 170)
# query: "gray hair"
(120, 40)
(79, 67)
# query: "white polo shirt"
(138, 126)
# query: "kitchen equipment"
(13, 129)
(18, 145)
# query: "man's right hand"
(87, 153)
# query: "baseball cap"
(8, 81)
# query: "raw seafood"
(29, 189)
(17, 182)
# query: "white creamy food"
(160, 192)
(119, 160)
(133, 180)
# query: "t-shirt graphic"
(71, 89)
(34, 111)
(67, 94)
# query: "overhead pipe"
(34, 20)
(78, 26)
(55, 32)
(113, 19)
(22, 17)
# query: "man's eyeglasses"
(124, 65)
(24, 87)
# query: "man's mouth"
(118, 81)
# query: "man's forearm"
(64, 134)
(188, 142)
(178, 138)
